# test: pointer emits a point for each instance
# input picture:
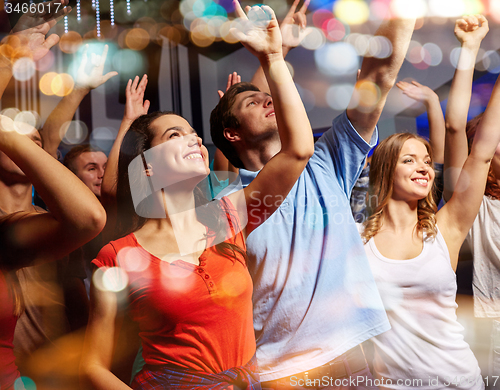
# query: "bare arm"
(378, 76)
(53, 130)
(99, 342)
(430, 99)
(75, 217)
(135, 106)
(293, 30)
(470, 31)
(456, 216)
(280, 174)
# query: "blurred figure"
(88, 164)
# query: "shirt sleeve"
(341, 152)
(106, 257)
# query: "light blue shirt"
(314, 294)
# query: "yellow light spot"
(70, 42)
(137, 39)
(352, 11)
(62, 84)
(46, 83)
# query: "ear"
(231, 135)
(149, 171)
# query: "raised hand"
(135, 105)
(96, 77)
(293, 27)
(259, 31)
(471, 29)
(417, 91)
(28, 35)
(233, 78)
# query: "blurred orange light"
(62, 84)
(46, 82)
(70, 42)
(137, 39)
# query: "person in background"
(88, 163)
(193, 306)
(314, 297)
(482, 237)
(413, 250)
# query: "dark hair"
(492, 189)
(138, 140)
(222, 117)
(70, 157)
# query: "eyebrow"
(93, 164)
(414, 155)
(248, 97)
(179, 128)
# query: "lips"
(271, 113)
(194, 155)
(421, 181)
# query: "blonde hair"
(382, 167)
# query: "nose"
(268, 102)
(194, 139)
(100, 173)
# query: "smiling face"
(177, 153)
(413, 174)
(255, 113)
(89, 167)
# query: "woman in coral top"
(182, 262)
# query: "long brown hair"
(382, 167)
(492, 188)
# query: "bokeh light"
(409, 9)
(25, 122)
(137, 39)
(128, 63)
(491, 61)
(435, 54)
(379, 10)
(379, 47)
(339, 95)
(495, 10)
(23, 69)
(70, 42)
(226, 34)
(351, 11)
(73, 132)
(62, 84)
(336, 59)
(102, 137)
(314, 40)
(133, 259)
(368, 94)
(414, 53)
(24, 383)
(10, 112)
(112, 279)
(335, 30)
(467, 61)
(46, 83)
(446, 8)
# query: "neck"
(254, 155)
(15, 197)
(400, 215)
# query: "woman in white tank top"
(413, 252)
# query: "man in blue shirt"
(315, 299)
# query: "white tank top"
(425, 347)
